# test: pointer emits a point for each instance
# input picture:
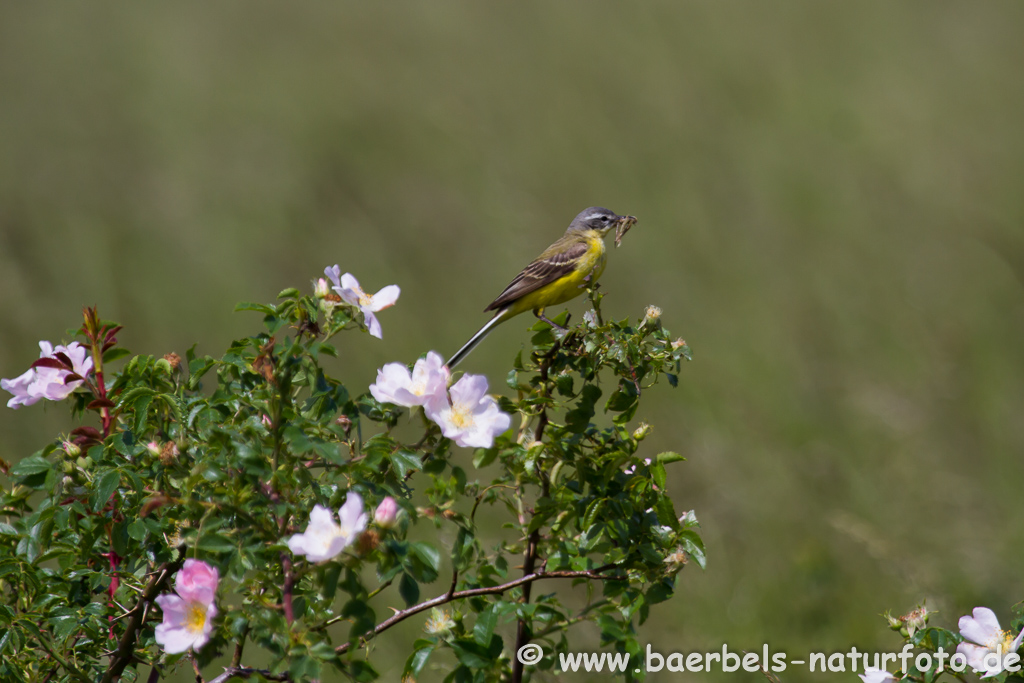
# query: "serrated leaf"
(261, 308)
(405, 462)
(484, 628)
(417, 660)
(409, 590)
(115, 354)
(30, 465)
(659, 475)
(106, 484)
(141, 408)
(578, 418)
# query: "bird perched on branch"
(561, 273)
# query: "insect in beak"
(622, 227)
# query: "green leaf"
(409, 590)
(483, 457)
(472, 654)
(659, 475)
(261, 308)
(668, 456)
(405, 462)
(578, 418)
(622, 399)
(297, 440)
(694, 547)
(114, 354)
(423, 562)
(106, 484)
(417, 660)
(215, 543)
(484, 628)
(138, 530)
(592, 511)
(290, 293)
(30, 465)
(141, 408)
(462, 551)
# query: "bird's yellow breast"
(588, 269)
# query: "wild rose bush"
(930, 653)
(210, 512)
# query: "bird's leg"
(539, 312)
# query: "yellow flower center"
(1002, 643)
(364, 298)
(195, 618)
(462, 418)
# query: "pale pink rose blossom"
(188, 614)
(323, 537)
(986, 645)
(473, 418)
(872, 675)
(48, 383)
(426, 384)
(349, 290)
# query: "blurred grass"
(830, 212)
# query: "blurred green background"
(830, 214)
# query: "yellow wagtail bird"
(561, 273)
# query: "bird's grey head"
(595, 218)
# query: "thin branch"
(455, 582)
(126, 646)
(533, 542)
(195, 667)
(236, 658)
(67, 666)
(286, 591)
(447, 597)
(246, 672)
(335, 619)
(480, 497)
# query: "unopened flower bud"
(321, 289)
(642, 431)
(72, 449)
(386, 515)
(154, 449)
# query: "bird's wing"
(557, 261)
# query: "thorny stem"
(126, 646)
(530, 557)
(245, 672)
(475, 592)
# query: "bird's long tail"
(476, 339)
